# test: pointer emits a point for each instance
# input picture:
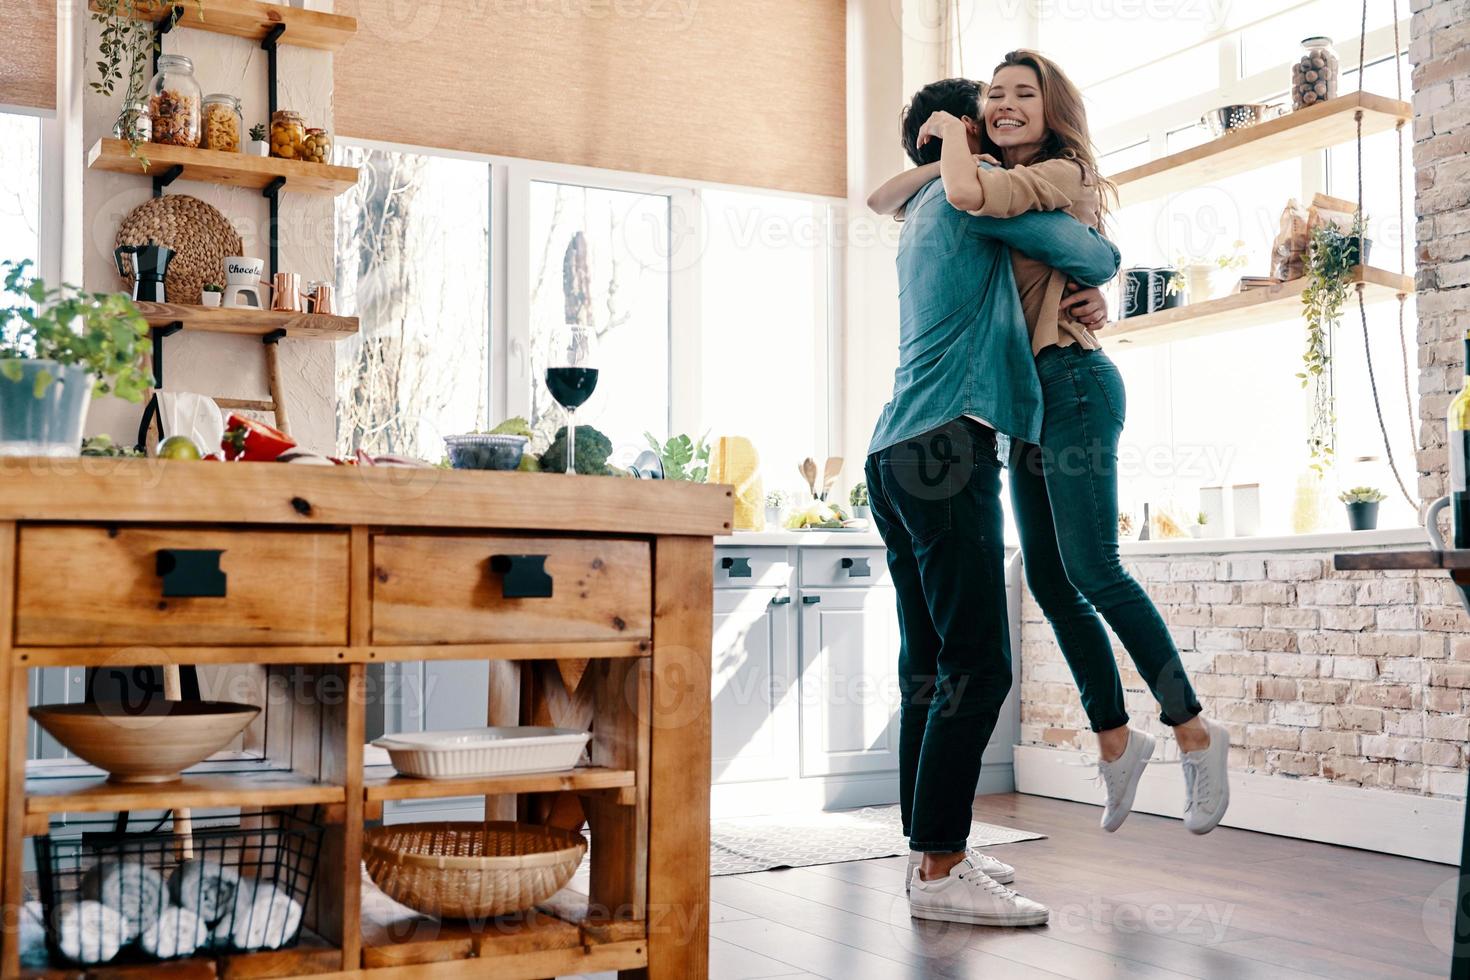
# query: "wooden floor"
(1151, 901)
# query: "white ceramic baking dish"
(467, 752)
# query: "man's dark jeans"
(1064, 495)
(936, 501)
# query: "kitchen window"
(20, 187)
(712, 306)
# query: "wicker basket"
(471, 870)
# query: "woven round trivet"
(198, 233)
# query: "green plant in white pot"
(58, 349)
(859, 500)
(1362, 507)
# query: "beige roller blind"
(28, 62)
(748, 92)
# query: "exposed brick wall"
(1439, 50)
(1357, 677)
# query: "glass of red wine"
(571, 378)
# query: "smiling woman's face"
(1014, 114)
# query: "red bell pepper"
(253, 442)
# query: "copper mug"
(320, 297)
(286, 292)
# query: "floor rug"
(742, 845)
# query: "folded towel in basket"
(88, 932)
(206, 888)
(264, 917)
(131, 889)
(178, 932)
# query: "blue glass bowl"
(485, 452)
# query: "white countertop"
(1332, 541)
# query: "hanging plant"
(1331, 256)
(126, 45)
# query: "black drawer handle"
(522, 576)
(810, 600)
(191, 573)
(737, 567)
(781, 600)
(857, 567)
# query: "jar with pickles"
(317, 148)
(288, 135)
(173, 102)
(224, 123)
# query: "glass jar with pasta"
(288, 135)
(223, 123)
(173, 102)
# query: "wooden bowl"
(149, 746)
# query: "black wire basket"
(225, 884)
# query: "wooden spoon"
(809, 472)
(830, 474)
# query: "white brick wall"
(1357, 677)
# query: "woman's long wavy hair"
(1065, 118)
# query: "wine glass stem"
(572, 440)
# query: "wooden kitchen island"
(331, 570)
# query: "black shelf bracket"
(272, 192)
(274, 337)
(162, 26)
(269, 45)
(150, 413)
(160, 181)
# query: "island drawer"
(433, 589)
(83, 585)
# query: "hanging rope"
(1362, 304)
(1398, 82)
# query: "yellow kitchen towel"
(736, 462)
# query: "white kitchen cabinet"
(754, 661)
(848, 681)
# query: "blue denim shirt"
(963, 347)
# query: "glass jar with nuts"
(223, 123)
(1314, 75)
(288, 135)
(317, 147)
(173, 102)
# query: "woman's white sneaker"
(1120, 778)
(999, 870)
(1207, 781)
(969, 895)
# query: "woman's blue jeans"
(1064, 494)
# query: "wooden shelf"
(216, 167)
(254, 19)
(55, 792)
(311, 955)
(253, 323)
(380, 783)
(556, 939)
(1272, 304)
(1285, 138)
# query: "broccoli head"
(593, 450)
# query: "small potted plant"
(859, 500)
(211, 295)
(1198, 528)
(57, 348)
(1362, 507)
(259, 145)
(777, 503)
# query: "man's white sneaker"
(1120, 778)
(969, 895)
(999, 870)
(1207, 781)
